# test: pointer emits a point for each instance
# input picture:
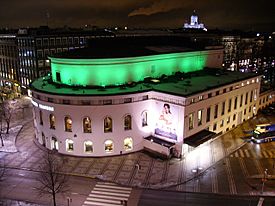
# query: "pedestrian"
(137, 166)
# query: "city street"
(228, 165)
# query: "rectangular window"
(214, 126)
(217, 93)
(192, 101)
(70, 40)
(229, 105)
(58, 76)
(251, 96)
(216, 111)
(127, 100)
(85, 102)
(231, 88)
(107, 101)
(260, 101)
(228, 120)
(244, 112)
(39, 54)
(66, 101)
(145, 97)
(235, 103)
(39, 42)
(52, 41)
(64, 40)
(209, 95)
(191, 121)
(200, 117)
(223, 108)
(221, 125)
(241, 101)
(200, 97)
(45, 42)
(246, 98)
(234, 117)
(208, 113)
(58, 41)
(224, 90)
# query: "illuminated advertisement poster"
(166, 121)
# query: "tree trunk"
(2, 141)
(8, 127)
(54, 200)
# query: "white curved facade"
(141, 110)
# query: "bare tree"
(52, 180)
(7, 109)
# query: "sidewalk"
(152, 172)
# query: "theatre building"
(98, 102)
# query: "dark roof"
(199, 138)
(160, 141)
(120, 47)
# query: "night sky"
(231, 14)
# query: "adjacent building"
(24, 53)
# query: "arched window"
(108, 124)
(40, 117)
(128, 144)
(54, 143)
(144, 117)
(109, 146)
(68, 124)
(87, 125)
(127, 122)
(52, 121)
(69, 145)
(88, 146)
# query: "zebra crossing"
(108, 194)
(245, 153)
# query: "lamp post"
(264, 179)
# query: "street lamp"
(264, 179)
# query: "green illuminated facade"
(117, 71)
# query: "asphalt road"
(21, 185)
(165, 198)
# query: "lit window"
(199, 117)
(127, 122)
(109, 146)
(200, 97)
(144, 117)
(54, 143)
(68, 124)
(87, 125)
(108, 124)
(191, 121)
(128, 144)
(88, 146)
(69, 145)
(52, 121)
